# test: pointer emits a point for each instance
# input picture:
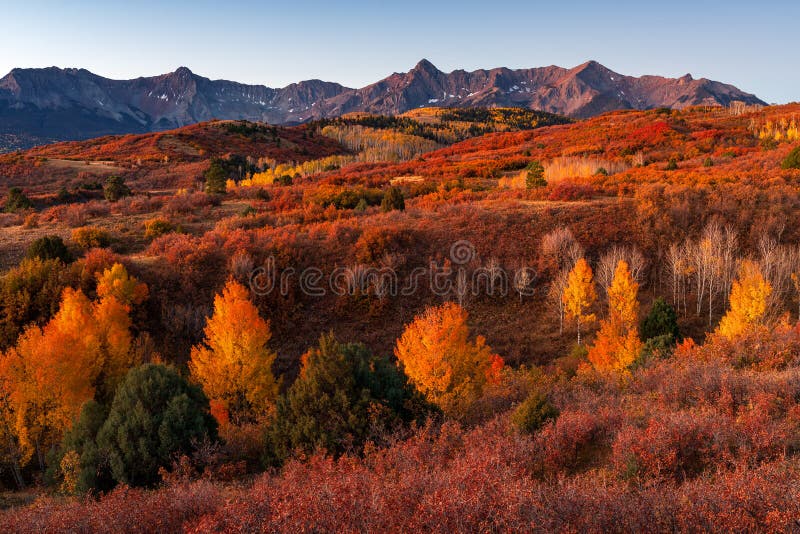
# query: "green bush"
(156, 414)
(349, 198)
(792, 161)
(656, 348)
(393, 200)
(535, 177)
(533, 413)
(115, 188)
(343, 397)
(154, 228)
(17, 201)
(93, 471)
(661, 321)
(49, 247)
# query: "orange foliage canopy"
(748, 302)
(438, 357)
(82, 353)
(234, 366)
(580, 294)
(617, 344)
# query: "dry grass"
(579, 167)
(170, 143)
(407, 180)
(14, 241)
(95, 167)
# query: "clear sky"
(752, 45)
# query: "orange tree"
(234, 364)
(748, 302)
(617, 344)
(579, 295)
(81, 354)
(439, 358)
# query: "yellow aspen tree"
(50, 375)
(82, 353)
(748, 302)
(112, 328)
(617, 344)
(579, 295)
(234, 365)
(439, 358)
(116, 282)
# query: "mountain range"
(44, 105)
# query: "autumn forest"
(450, 319)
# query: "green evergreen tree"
(155, 415)
(216, 178)
(661, 321)
(115, 188)
(17, 201)
(344, 396)
(93, 470)
(535, 177)
(393, 200)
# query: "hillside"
(450, 319)
(644, 178)
(43, 105)
(172, 158)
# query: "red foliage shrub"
(677, 446)
(123, 510)
(570, 191)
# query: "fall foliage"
(81, 354)
(234, 365)
(617, 344)
(701, 430)
(444, 364)
(579, 295)
(748, 302)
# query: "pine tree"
(535, 175)
(344, 396)
(216, 178)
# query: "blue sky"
(750, 44)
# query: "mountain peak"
(183, 72)
(592, 66)
(182, 97)
(425, 66)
